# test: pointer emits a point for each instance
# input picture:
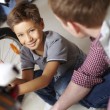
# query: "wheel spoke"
(6, 55)
(9, 51)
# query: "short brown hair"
(23, 11)
(89, 13)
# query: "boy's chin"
(31, 48)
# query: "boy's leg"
(47, 93)
(62, 83)
(99, 95)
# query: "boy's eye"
(32, 30)
(20, 35)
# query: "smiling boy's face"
(30, 34)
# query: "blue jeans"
(7, 9)
(47, 93)
(97, 98)
(51, 93)
(99, 95)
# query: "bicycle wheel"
(9, 47)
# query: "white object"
(8, 73)
(3, 1)
(105, 32)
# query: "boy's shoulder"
(52, 36)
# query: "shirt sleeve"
(90, 73)
(26, 59)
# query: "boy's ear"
(74, 26)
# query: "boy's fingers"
(12, 85)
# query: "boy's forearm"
(33, 85)
(73, 94)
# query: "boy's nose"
(28, 38)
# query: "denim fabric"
(6, 9)
(51, 93)
(47, 93)
(97, 98)
(99, 95)
(62, 83)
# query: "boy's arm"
(73, 94)
(27, 75)
(42, 81)
(87, 76)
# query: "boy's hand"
(17, 82)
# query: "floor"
(31, 101)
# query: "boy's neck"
(93, 32)
(40, 53)
(40, 50)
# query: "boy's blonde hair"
(23, 11)
(89, 13)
